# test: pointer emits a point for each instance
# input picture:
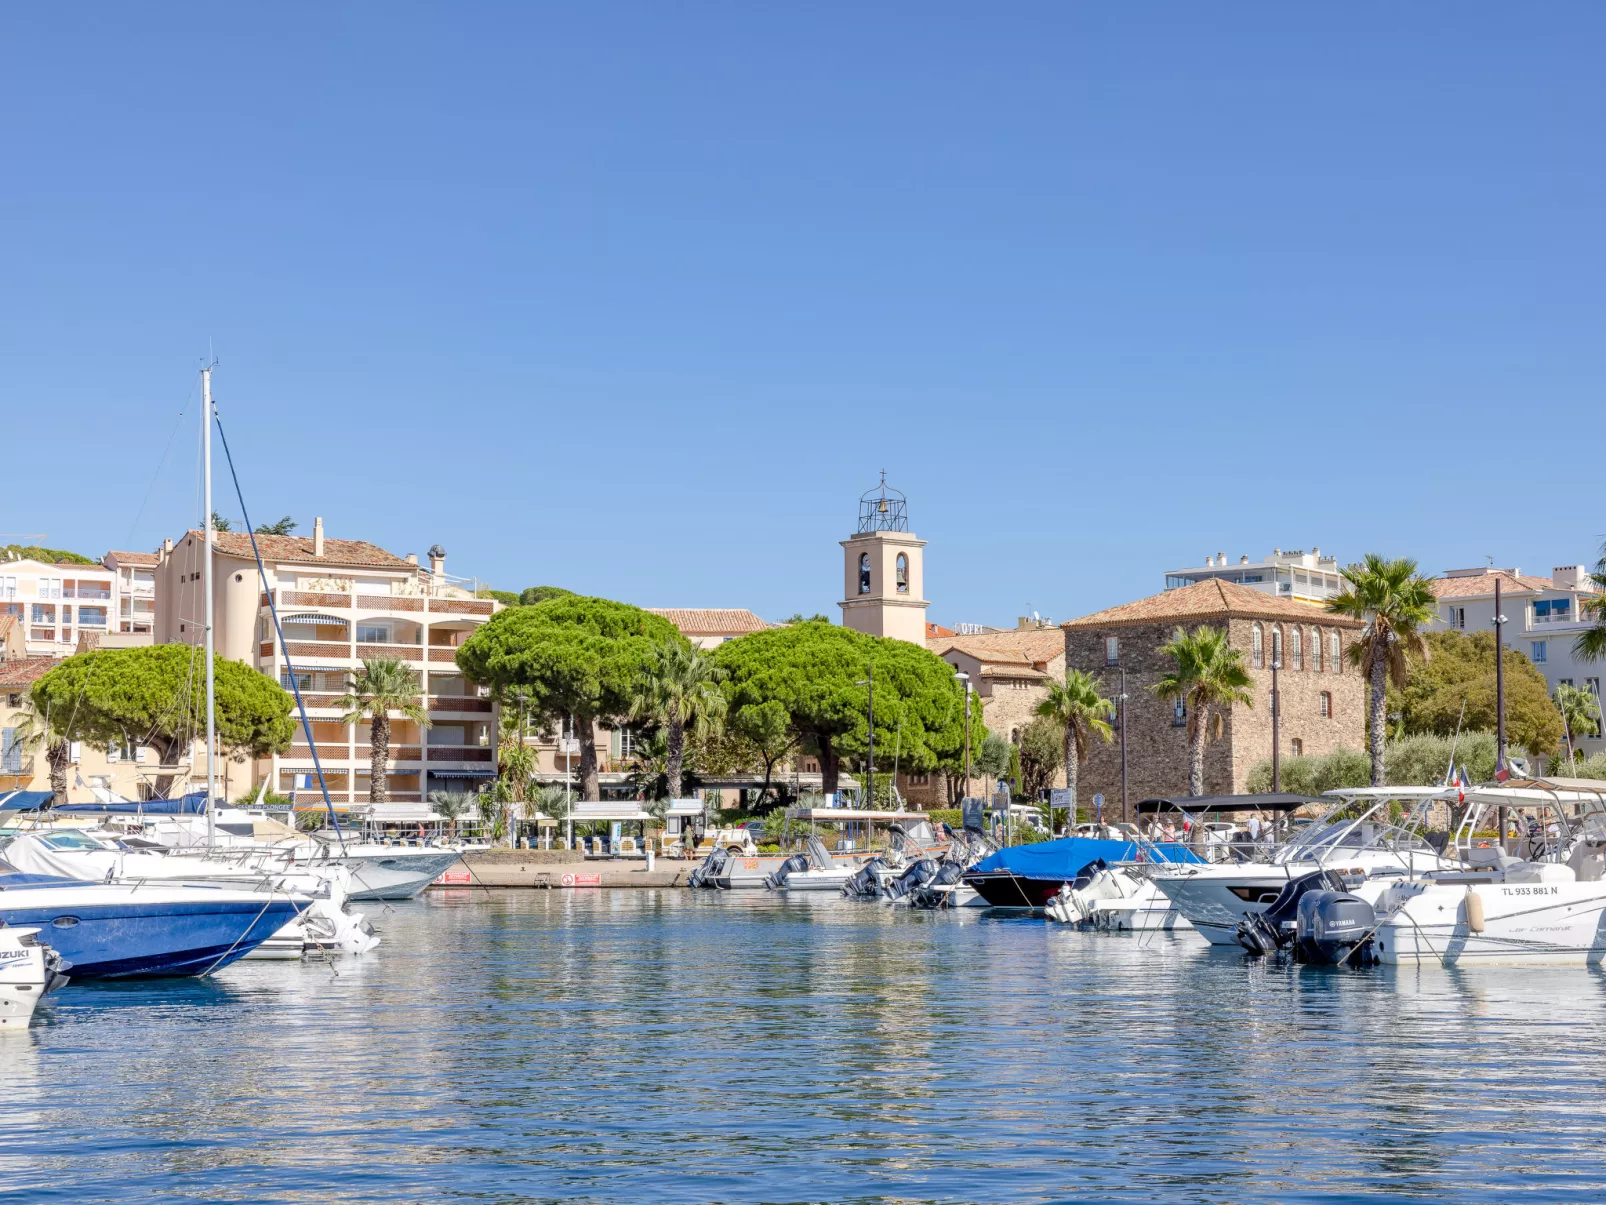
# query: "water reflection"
(626, 1046)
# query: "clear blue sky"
(637, 298)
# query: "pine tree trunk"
(590, 784)
(1380, 671)
(676, 740)
(378, 756)
(167, 752)
(830, 767)
(57, 757)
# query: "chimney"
(1568, 577)
(437, 560)
(411, 558)
(1317, 553)
(317, 536)
(1244, 559)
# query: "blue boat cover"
(1066, 858)
(25, 801)
(8, 881)
(193, 804)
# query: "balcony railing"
(313, 648)
(1542, 621)
(339, 753)
(384, 602)
(401, 652)
(460, 703)
(466, 753)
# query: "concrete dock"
(559, 869)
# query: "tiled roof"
(1481, 584)
(7, 622)
(297, 550)
(1039, 647)
(24, 671)
(936, 630)
(710, 621)
(1207, 600)
(135, 558)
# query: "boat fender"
(1474, 908)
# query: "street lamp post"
(1125, 819)
(1276, 742)
(868, 682)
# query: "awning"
(1232, 803)
(482, 772)
(25, 801)
(310, 617)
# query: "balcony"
(1552, 619)
(401, 652)
(384, 602)
(461, 753)
(313, 648)
(90, 592)
(461, 703)
(339, 754)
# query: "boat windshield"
(70, 839)
(1355, 825)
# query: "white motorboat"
(814, 871)
(1118, 899)
(1352, 836)
(1545, 908)
(28, 970)
(324, 920)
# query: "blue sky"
(638, 298)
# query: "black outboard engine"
(926, 896)
(782, 872)
(864, 884)
(1266, 932)
(705, 874)
(1335, 928)
(918, 875)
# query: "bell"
(883, 507)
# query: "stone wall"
(1157, 746)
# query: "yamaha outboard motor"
(1334, 928)
(924, 896)
(1266, 932)
(864, 883)
(782, 872)
(705, 874)
(918, 875)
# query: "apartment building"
(54, 603)
(1307, 576)
(341, 601)
(1543, 620)
(134, 590)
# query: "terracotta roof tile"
(1480, 584)
(1207, 600)
(356, 554)
(135, 558)
(935, 631)
(24, 671)
(1040, 646)
(710, 621)
(7, 622)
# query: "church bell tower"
(883, 578)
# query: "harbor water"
(675, 1046)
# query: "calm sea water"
(691, 1047)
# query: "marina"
(756, 1047)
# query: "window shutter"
(76, 753)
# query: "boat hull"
(401, 873)
(144, 936)
(1214, 900)
(1522, 924)
(1005, 889)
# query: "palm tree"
(1395, 603)
(451, 805)
(1580, 713)
(1077, 706)
(1591, 645)
(679, 690)
(1209, 676)
(383, 685)
(37, 730)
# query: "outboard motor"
(778, 877)
(1266, 932)
(918, 875)
(705, 874)
(1334, 927)
(865, 883)
(925, 895)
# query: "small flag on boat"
(1501, 773)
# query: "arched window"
(1257, 641)
(1277, 645)
(1335, 649)
(1298, 647)
(1316, 649)
(864, 573)
(903, 574)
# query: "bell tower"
(883, 578)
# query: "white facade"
(56, 603)
(1291, 574)
(1543, 621)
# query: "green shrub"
(1314, 775)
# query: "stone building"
(1323, 698)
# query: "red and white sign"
(581, 880)
(452, 877)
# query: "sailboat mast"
(211, 685)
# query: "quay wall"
(547, 868)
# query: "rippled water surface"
(647, 1046)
